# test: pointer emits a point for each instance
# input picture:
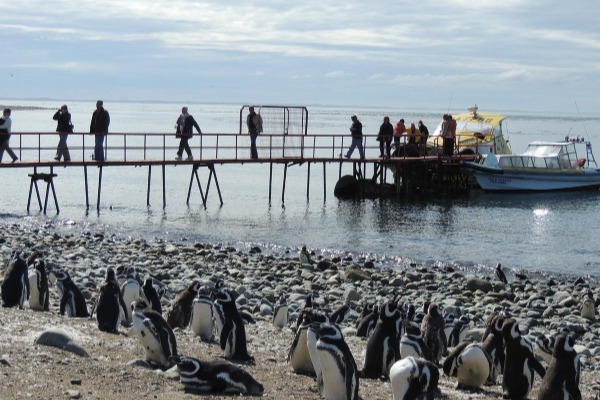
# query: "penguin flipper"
(537, 366)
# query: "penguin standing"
(338, 368)
(412, 379)
(544, 347)
(459, 331)
(39, 297)
(215, 377)
(156, 336)
(110, 304)
(520, 362)
(500, 274)
(280, 315)
(494, 347)
(15, 286)
(382, 347)
(180, 312)
(131, 291)
(562, 377)
(202, 321)
(367, 323)
(305, 257)
(151, 295)
(72, 301)
(470, 364)
(233, 334)
(339, 314)
(312, 336)
(299, 356)
(588, 306)
(432, 329)
(412, 344)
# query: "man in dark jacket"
(384, 137)
(357, 137)
(63, 127)
(99, 127)
(186, 124)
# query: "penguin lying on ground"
(413, 379)
(470, 364)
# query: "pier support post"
(324, 182)
(284, 179)
(99, 188)
(308, 183)
(49, 179)
(164, 182)
(270, 180)
(148, 193)
(87, 196)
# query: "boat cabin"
(545, 155)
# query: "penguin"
(180, 312)
(312, 336)
(233, 333)
(432, 329)
(413, 379)
(308, 304)
(202, 320)
(382, 347)
(544, 347)
(338, 368)
(131, 291)
(470, 364)
(588, 307)
(368, 322)
(494, 347)
(412, 344)
(155, 335)
(280, 315)
(151, 295)
(520, 362)
(215, 377)
(449, 319)
(39, 298)
(110, 304)
(305, 257)
(72, 301)
(15, 286)
(339, 314)
(418, 315)
(500, 274)
(458, 331)
(364, 311)
(298, 356)
(562, 377)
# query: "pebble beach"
(541, 303)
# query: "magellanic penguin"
(312, 336)
(412, 344)
(180, 312)
(233, 333)
(305, 257)
(39, 297)
(156, 336)
(151, 294)
(131, 291)
(544, 347)
(432, 329)
(280, 314)
(382, 347)
(367, 323)
(202, 320)
(459, 331)
(72, 301)
(500, 274)
(520, 362)
(298, 356)
(588, 306)
(215, 377)
(413, 379)
(338, 368)
(470, 364)
(15, 286)
(110, 304)
(494, 347)
(338, 315)
(562, 376)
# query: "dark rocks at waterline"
(350, 187)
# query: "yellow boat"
(476, 133)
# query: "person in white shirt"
(5, 126)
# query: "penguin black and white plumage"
(180, 312)
(459, 331)
(449, 319)
(413, 379)
(233, 333)
(412, 344)
(110, 304)
(418, 316)
(470, 364)
(520, 362)
(562, 376)
(500, 274)
(298, 356)
(215, 377)
(338, 367)
(382, 347)
(588, 306)
(544, 347)
(304, 257)
(312, 336)
(339, 314)
(39, 296)
(15, 286)
(72, 301)
(280, 314)
(494, 347)
(432, 329)
(202, 320)
(367, 323)
(151, 295)
(131, 290)
(155, 334)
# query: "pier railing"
(40, 147)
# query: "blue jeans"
(253, 151)
(99, 147)
(356, 142)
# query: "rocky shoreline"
(540, 303)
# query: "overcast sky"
(507, 55)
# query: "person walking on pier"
(5, 127)
(255, 128)
(63, 127)
(357, 137)
(186, 124)
(99, 127)
(384, 137)
(399, 130)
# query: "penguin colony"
(403, 345)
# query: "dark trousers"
(387, 142)
(448, 146)
(99, 147)
(253, 151)
(184, 145)
(62, 150)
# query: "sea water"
(549, 232)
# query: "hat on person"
(354, 117)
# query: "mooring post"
(148, 194)
(87, 196)
(324, 182)
(270, 180)
(308, 183)
(284, 179)
(164, 188)
(99, 188)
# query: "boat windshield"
(481, 127)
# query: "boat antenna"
(582, 122)
(450, 103)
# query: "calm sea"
(554, 232)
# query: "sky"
(535, 55)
